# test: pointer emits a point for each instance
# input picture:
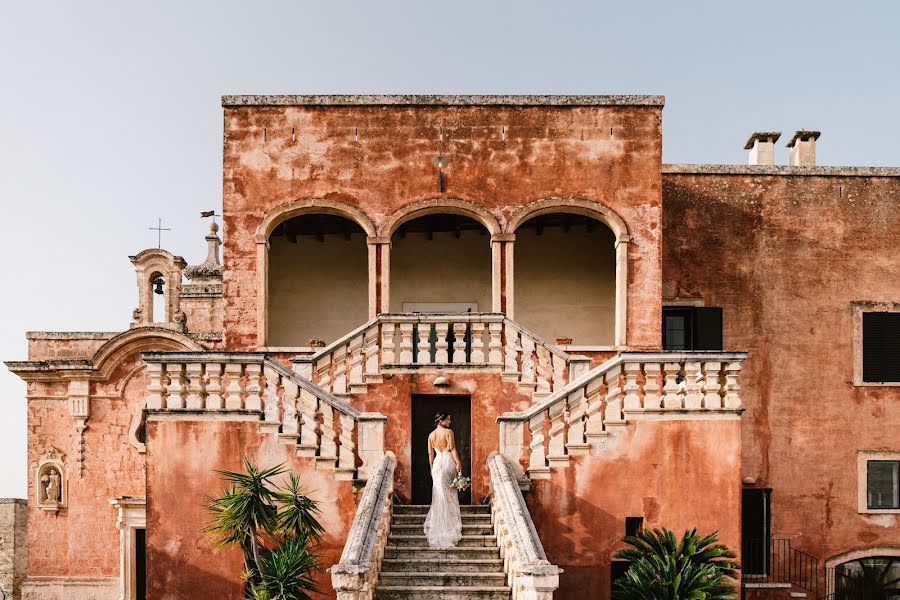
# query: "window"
(883, 484)
(633, 525)
(878, 473)
(692, 328)
(881, 347)
(756, 530)
(871, 578)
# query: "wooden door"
(423, 410)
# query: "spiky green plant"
(276, 529)
(662, 568)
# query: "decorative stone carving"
(51, 489)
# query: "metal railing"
(776, 561)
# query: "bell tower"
(159, 290)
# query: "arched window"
(158, 297)
(441, 263)
(318, 279)
(870, 578)
(565, 278)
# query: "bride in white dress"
(443, 524)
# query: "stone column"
(262, 293)
(379, 275)
(622, 244)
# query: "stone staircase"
(412, 570)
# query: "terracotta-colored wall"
(549, 151)
(182, 456)
(785, 256)
(675, 474)
(82, 539)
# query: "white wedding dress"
(443, 523)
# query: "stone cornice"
(440, 100)
(688, 169)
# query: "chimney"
(803, 148)
(762, 147)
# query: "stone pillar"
(379, 275)
(262, 293)
(13, 546)
(621, 335)
(502, 245)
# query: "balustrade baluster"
(406, 345)
(175, 387)
(711, 388)
(271, 410)
(156, 389)
(328, 440)
(194, 388)
(511, 354)
(387, 343)
(652, 399)
(234, 373)
(495, 346)
(632, 399)
(693, 397)
(346, 466)
(558, 364)
(339, 385)
(543, 372)
(527, 381)
(556, 448)
(577, 411)
(309, 438)
(214, 400)
(594, 432)
(477, 343)
(459, 343)
(673, 396)
(441, 355)
(732, 387)
(424, 345)
(323, 372)
(537, 459)
(290, 427)
(357, 385)
(370, 343)
(254, 401)
(613, 415)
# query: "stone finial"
(210, 270)
(803, 148)
(762, 147)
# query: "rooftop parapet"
(440, 100)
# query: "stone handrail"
(355, 576)
(630, 385)
(402, 341)
(528, 572)
(290, 406)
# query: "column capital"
(503, 237)
(374, 239)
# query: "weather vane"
(209, 213)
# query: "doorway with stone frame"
(424, 408)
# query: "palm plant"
(663, 568)
(276, 529)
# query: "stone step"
(441, 593)
(420, 541)
(416, 509)
(419, 519)
(441, 578)
(410, 553)
(417, 529)
(428, 565)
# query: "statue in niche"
(50, 484)
(51, 481)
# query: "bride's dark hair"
(440, 416)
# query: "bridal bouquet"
(460, 483)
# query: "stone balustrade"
(291, 407)
(404, 342)
(529, 573)
(631, 385)
(355, 576)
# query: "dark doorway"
(423, 410)
(140, 563)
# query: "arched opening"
(872, 578)
(440, 263)
(565, 279)
(317, 279)
(158, 297)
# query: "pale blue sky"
(110, 113)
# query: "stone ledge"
(440, 100)
(71, 335)
(13, 501)
(688, 169)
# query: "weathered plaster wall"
(277, 154)
(204, 310)
(786, 256)
(53, 345)
(317, 290)
(182, 457)
(13, 546)
(566, 284)
(676, 474)
(82, 540)
(443, 269)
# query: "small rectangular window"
(633, 525)
(692, 328)
(881, 347)
(883, 484)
